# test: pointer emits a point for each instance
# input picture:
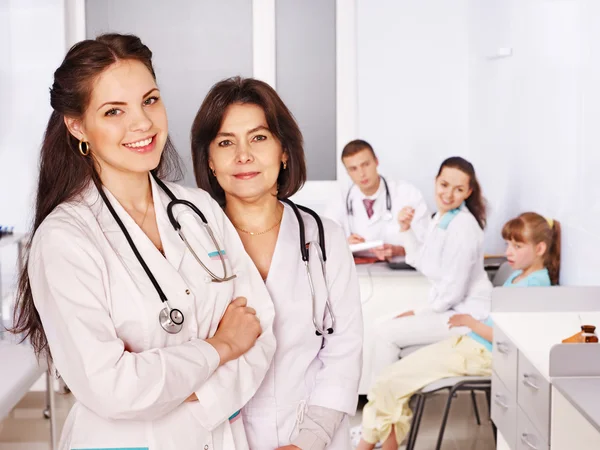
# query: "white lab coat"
(100, 314)
(452, 260)
(302, 372)
(381, 225)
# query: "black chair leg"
(416, 422)
(474, 399)
(445, 418)
(488, 397)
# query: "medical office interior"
(509, 85)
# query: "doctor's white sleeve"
(234, 383)
(69, 282)
(458, 257)
(336, 383)
(421, 218)
(412, 247)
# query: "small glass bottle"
(588, 333)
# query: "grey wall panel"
(195, 44)
(306, 77)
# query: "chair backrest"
(502, 274)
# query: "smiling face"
(245, 156)
(125, 122)
(451, 189)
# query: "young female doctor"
(247, 152)
(151, 344)
(451, 257)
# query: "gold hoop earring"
(284, 165)
(83, 143)
(214, 173)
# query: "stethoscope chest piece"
(171, 320)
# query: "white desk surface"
(535, 333)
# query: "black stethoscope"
(305, 252)
(171, 319)
(388, 201)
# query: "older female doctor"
(133, 322)
(248, 154)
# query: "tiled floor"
(26, 429)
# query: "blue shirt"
(538, 278)
(482, 341)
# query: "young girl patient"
(533, 250)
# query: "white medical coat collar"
(173, 246)
(288, 239)
(443, 221)
(378, 194)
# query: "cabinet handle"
(525, 441)
(502, 347)
(527, 382)
(498, 401)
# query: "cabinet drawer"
(504, 359)
(528, 437)
(533, 396)
(504, 410)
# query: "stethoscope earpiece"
(329, 331)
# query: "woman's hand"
(355, 239)
(405, 217)
(385, 252)
(461, 320)
(237, 332)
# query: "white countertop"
(535, 333)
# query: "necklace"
(145, 214)
(257, 233)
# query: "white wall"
(534, 118)
(413, 85)
(427, 87)
(431, 84)
(32, 44)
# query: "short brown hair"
(280, 120)
(355, 146)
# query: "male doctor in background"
(368, 211)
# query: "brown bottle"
(587, 334)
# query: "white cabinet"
(520, 396)
(570, 429)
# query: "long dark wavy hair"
(64, 172)
(476, 203)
